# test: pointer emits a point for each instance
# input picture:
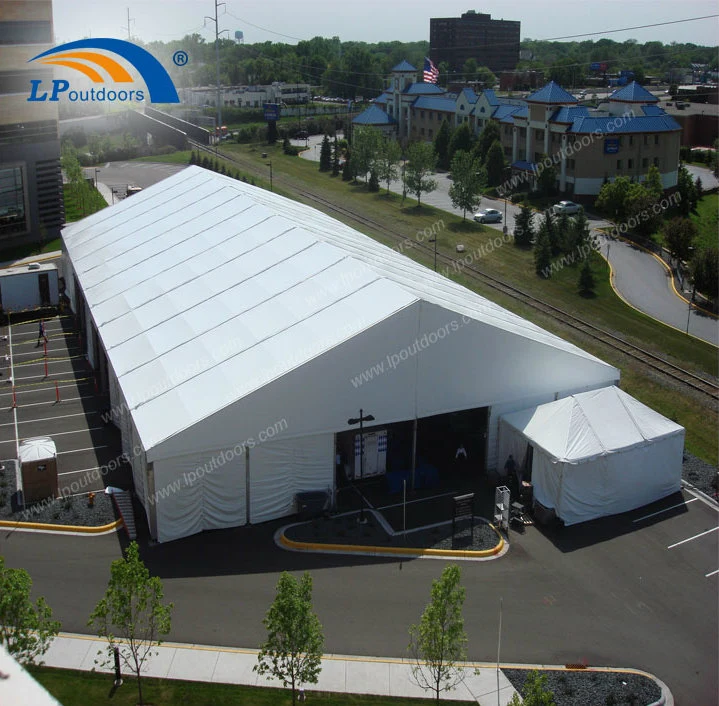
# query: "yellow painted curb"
(80, 529)
(671, 276)
(644, 313)
(393, 551)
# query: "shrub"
(519, 196)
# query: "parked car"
(566, 207)
(489, 215)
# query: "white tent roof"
(204, 289)
(37, 448)
(590, 424)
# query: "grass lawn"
(707, 221)
(515, 266)
(76, 208)
(179, 157)
(73, 688)
(21, 251)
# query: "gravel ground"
(586, 688)
(700, 474)
(65, 511)
(347, 530)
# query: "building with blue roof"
(585, 146)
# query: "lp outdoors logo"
(73, 55)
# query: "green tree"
(687, 191)
(486, 77)
(586, 280)
(535, 692)
(26, 628)
(131, 615)
(612, 198)
(543, 252)
(653, 183)
(705, 272)
(698, 187)
(373, 183)
(467, 179)
(679, 235)
(469, 70)
(421, 162)
(524, 226)
(366, 143)
(441, 144)
(580, 238)
(462, 139)
(494, 164)
(387, 162)
(555, 237)
(438, 643)
(489, 135)
(293, 650)
(336, 157)
(347, 169)
(325, 155)
(642, 210)
(547, 178)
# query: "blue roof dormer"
(404, 66)
(633, 93)
(552, 94)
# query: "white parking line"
(666, 509)
(47, 377)
(14, 407)
(696, 536)
(49, 419)
(711, 573)
(77, 451)
(62, 433)
(63, 400)
(419, 500)
(80, 470)
(44, 389)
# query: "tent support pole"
(414, 450)
(247, 485)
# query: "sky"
(380, 20)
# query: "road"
(639, 277)
(611, 592)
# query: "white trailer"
(28, 287)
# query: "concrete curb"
(644, 313)
(666, 699)
(64, 529)
(399, 552)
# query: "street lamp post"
(360, 420)
(434, 240)
(689, 312)
(96, 171)
(269, 164)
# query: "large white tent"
(238, 331)
(596, 453)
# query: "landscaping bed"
(579, 687)
(700, 474)
(346, 529)
(73, 510)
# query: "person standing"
(42, 335)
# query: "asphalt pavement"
(638, 590)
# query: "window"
(430, 115)
(429, 133)
(656, 139)
(539, 134)
(421, 132)
(646, 140)
(619, 165)
(630, 163)
(631, 140)
(12, 201)
(570, 163)
(25, 32)
(645, 163)
(656, 161)
(421, 114)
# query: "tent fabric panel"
(281, 469)
(199, 492)
(179, 508)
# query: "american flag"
(431, 72)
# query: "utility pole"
(129, 37)
(217, 67)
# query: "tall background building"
(493, 43)
(31, 205)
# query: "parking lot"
(48, 389)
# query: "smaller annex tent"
(595, 453)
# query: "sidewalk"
(340, 674)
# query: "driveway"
(637, 590)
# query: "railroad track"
(656, 363)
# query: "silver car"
(568, 207)
(489, 215)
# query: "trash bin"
(312, 503)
